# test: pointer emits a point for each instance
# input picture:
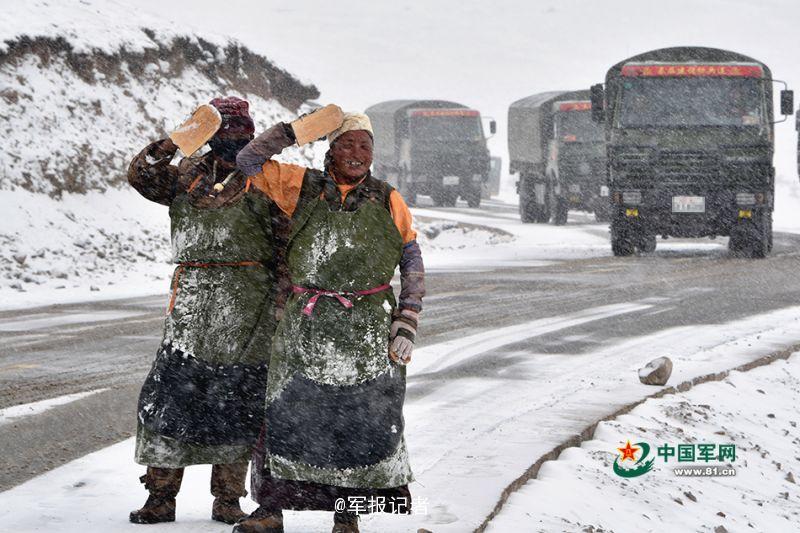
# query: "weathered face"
(225, 147)
(352, 154)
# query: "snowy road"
(522, 347)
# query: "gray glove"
(402, 335)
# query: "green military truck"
(690, 143)
(559, 154)
(797, 128)
(432, 147)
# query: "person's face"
(352, 154)
(225, 147)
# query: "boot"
(345, 522)
(163, 484)
(227, 486)
(262, 520)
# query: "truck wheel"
(559, 209)
(445, 198)
(736, 242)
(601, 214)
(752, 239)
(760, 242)
(622, 244)
(647, 244)
(544, 214)
(528, 211)
(473, 198)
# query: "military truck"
(797, 128)
(432, 147)
(690, 143)
(559, 154)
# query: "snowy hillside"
(81, 97)
(81, 91)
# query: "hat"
(236, 117)
(352, 122)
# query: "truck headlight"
(745, 198)
(477, 177)
(632, 197)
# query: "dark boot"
(262, 520)
(163, 484)
(227, 486)
(345, 522)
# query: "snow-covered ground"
(469, 438)
(30, 409)
(120, 248)
(580, 491)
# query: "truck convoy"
(432, 147)
(559, 154)
(690, 142)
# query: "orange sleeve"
(402, 217)
(281, 182)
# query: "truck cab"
(576, 168)
(690, 144)
(431, 147)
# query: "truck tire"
(473, 198)
(444, 198)
(647, 244)
(752, 239)
(622, 243)
(559, 209)
(528, 212)
(543, 216)
(601, 214)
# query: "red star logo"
(628, 452)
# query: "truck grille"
(669, 165)
(687, 163)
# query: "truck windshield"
(446, 128)
(685, 101)
(578, 126)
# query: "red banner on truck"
(689, 70)
(575, 106)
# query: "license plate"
(450, 180)
(604, 191)
(688, 204)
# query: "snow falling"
(605, 198)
